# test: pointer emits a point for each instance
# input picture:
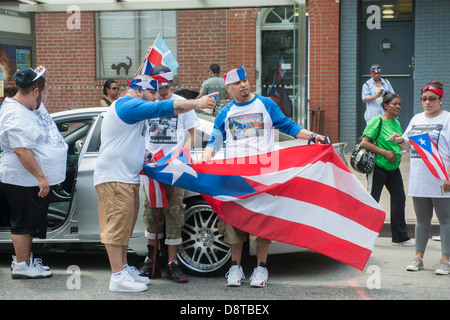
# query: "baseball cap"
(163, 74)
(26, 76)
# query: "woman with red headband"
(427, 191)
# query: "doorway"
(392, 47)
(277, 57)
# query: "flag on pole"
(277, 91)
(156, 194)
(159, 54)
(429, 153)
(304, 196)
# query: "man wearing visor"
(373, 92)
(247, 124)
(116, 175)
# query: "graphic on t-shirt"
(247, 125)
(163, 130)
(434, 130)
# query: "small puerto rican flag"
(429, 153)
(155, 192)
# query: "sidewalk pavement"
(410, 216)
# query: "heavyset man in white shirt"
(33, 160)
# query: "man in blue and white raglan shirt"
(116, 175)
(247, 124)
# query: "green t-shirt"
(387, 129)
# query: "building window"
(123, 39)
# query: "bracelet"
(312, 138)
(403, 140)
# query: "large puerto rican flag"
(159, 54)
(429, 153)
(304, 196)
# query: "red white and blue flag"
(156, 193)
(429, 153)
(159, 54)
(304, 196)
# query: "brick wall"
(206, 36)
(215, 36)
(69, 55)
(324, 62)
(226, 37)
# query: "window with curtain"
(123, 39)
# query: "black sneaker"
(175, 273)
(147, 268)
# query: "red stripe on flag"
(293, 233)
(156, 194)
(155, 57)
(298, 156)
(328, 197)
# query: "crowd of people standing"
(149, 121)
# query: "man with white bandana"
(247, 124)
(116, 175)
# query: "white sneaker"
(123, 282)
(235, 276)
(444, 267)
(33, 271)
(407, 243)
(259, 277)
(134, 273)
(14, 261)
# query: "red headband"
(430, 88)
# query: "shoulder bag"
(362, 160)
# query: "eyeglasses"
(431, 99)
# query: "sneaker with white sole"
(407, 243)
(14, 261)
(235, 276)
(20, 270)
(444, 267)
(134, 273)
(416, 264)
(123, 282)
(259, 277)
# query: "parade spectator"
(214, 83)
(386, 171)
(373, 91)
(247, 124)
(116, 175)
(427, 191)
(33, 160)
(111, 93)
(167, 134)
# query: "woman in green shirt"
(387, 172)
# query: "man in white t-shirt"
(167, 134)
(33, 159)
(116, 175)
(247, 123)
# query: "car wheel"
(203, 249)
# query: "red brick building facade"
(70, 54)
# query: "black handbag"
(362, 160)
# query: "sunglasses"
(431, 99)
(115, 88)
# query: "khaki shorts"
(118, 208)
(172, 217)
(234, 235)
